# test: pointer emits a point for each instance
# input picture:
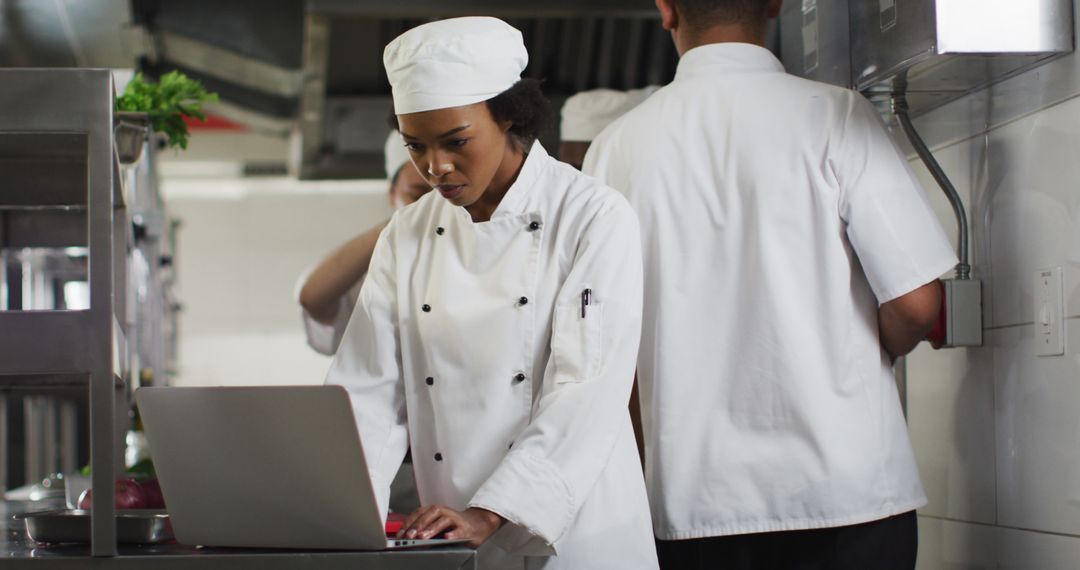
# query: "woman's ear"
(504, 126)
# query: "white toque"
(454, 62)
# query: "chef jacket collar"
(726, 57)
(516, 198)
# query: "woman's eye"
(458, 143)
(415, 147)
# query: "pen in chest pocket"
(586, 300)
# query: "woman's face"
(458, 150)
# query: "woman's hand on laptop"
(473, 524)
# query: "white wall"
(997, 429)
(241, 248)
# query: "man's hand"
(474, 524)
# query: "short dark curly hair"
(528, 111)
(523, 104)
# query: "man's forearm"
(905, 321)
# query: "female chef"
(498, 327)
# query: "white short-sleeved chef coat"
(325, 338)
(776, 214)
(469, 340)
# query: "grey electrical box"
(939, 50)
(814, 40)
(963, 312)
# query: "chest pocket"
(576, 342)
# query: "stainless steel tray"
(134, 526)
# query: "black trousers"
(887, 544)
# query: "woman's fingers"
(440, 524)
(427, 522)
(457, 533)
(410, 521)
(424, 520)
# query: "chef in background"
(328, 290)
(790, 255)
(585, 114)
(498, 327)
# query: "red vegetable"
(128, 496)
(152, 493)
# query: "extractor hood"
(932, 50)
(939, 50)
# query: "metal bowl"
(133, 526)
(129, 133)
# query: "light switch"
(1049, 313)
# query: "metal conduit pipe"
(900, 109)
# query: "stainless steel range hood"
(939, 50)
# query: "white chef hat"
(454, 62)
(395, 154)
(585, 114)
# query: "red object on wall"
(936, 336)
(213, 123)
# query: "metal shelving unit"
(60, 186)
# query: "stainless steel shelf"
(43, 169)
(43, 228)
(47, 382)
(35, 342)
(57, 154)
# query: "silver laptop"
(264, 467)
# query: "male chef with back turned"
(790, 256)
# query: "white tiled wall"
(952, 545)
(1038, 433)
(955, 545)
(996, 429)
(951, 419)
(242, 246)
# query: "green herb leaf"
(174, 96)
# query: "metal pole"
(900, 109)
(3, 443)
(102, 388)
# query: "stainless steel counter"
(18, 551)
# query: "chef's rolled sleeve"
(542, 483)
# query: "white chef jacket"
(776, 214)
(325, 338)
(469, 341)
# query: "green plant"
(167, 102)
